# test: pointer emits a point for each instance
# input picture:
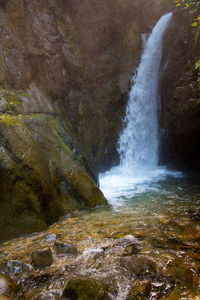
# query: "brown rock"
(42, 257)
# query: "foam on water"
(118, 187)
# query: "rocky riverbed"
(147, 247)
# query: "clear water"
(162, 218)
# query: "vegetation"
(194, 7)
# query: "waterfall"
(138, 143)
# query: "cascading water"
(138, 143)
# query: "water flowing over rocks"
(8, 287)
(161, 262)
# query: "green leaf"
(197, 64)
(178, 4)
(194, 24)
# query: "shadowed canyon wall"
(180, 92)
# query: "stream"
(152, 237)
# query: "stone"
(141, 267)
(140, 290)
(50, 238)
(42, 257)
(130, 250)
(7, 287)
(16, 268)
(85, 288)
(65, 248)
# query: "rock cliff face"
(65, 67)
(43, 170)
(180, 116)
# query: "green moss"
(197, 67)
(55, 127)
(12, 99)
(28, 116)
(65, 146)
(26, 95)
(85, 289)
(10, 120)
(198, 101)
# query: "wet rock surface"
(180, 115)
(8, 287)
(42, 257)
(16, 268)
(84, 288)
(64, 248)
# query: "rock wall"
(180, 116)
(43, 170)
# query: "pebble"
(65, 248)
(42, 257)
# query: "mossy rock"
(140, 290)
(43, 170)
(84, 289)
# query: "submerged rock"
(130, 250)
(65, 248)
(16, 268)
(141, 267)
(84, 288)
(42, 257)
(140, 290)
(50, 238)
(7, 287)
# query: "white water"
(139, 141)
(138, 144)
